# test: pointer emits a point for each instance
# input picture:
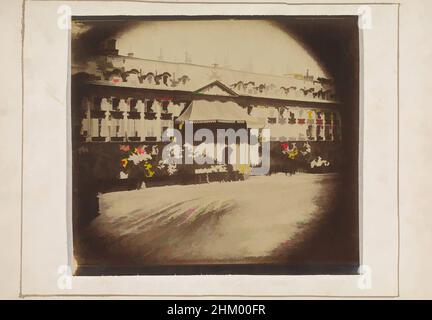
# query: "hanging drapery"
(114, 127)
(201, 111)
(85, 126)
(104, 128)
(95, 127)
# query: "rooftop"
(129, 71)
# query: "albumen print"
(215, 145)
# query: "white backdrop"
(46, 191)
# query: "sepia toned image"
(215, 145)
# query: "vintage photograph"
(215, 145)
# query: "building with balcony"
(126, 99)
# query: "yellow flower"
(244, 168)
(124, 162)
(150, 173)
(293, 153)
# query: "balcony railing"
(150, 115)
(166, 116)
(117, 114)
(97, 114)
(98, 139)
(272, 120)
(134, 115)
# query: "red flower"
(284, 146)
(124, 148)
(139, 150)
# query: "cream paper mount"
(47, 233)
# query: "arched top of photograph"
(206, 145)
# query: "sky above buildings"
(251, 45)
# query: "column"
(157, 107)
(292, 124)
(147, 123)
(86, 107)
(331, 126)
(105, 126)
(141, 109)
(105, 122)
(311, 124)
(301, 125)
(319, 125)
(339, 126)
(123, 106)
(326, 125)
(130, 127)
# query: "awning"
(202, 111)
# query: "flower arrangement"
(212, 169)
(244, 169)
(319, 162)
(291, 153)
(170, 168)
(137, 157)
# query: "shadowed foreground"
(267, 220)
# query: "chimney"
(110, 47)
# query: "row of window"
(135, 130)
(95, 129)
(114, 119)
(132, 105)
(274, 120)
(306, 133)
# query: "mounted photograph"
(215, 145)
